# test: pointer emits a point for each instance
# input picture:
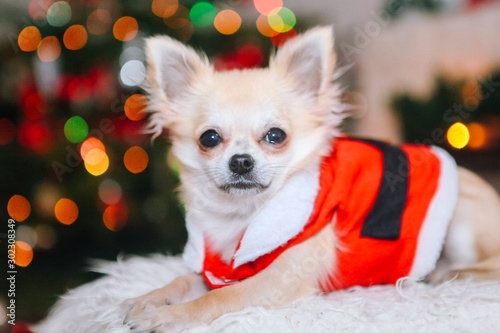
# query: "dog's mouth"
(243, 186)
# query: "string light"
(75, 37)
(29, 38)
(18, 208)
(202, 14)
(76, 129)
(49, 49)
(227, 22)
(135, 107)
(24, 253)
(458, 135)
(66, 211)
(125, 28)
(136, 159)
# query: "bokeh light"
(135, 107)
(27, 234)
(266, 6)
(76, 129)
(75, 37)
(36, 135)
(99, 22)
(18, 208)
(249, 55)
(227, 22)
(24, 253)
(264, 27)
(458, 135)
(29, 38)
(7, 131)
(125, 28)
(164, 8)
(34, 106)
(136, 159)
(132, 73)
(478, 135)
(179, 20)
(66, 211)
(281, 38)
(49, 49)
(110, 192)
(46, 236)
(38, 8)
(282, 19)
(202, 14)
(115, 216)
(59, 14)
(89, 145)
(96, 162)
(79, 89)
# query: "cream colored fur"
(296, 94)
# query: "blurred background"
(82, 179)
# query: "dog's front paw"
(134, 306)
(159, 320)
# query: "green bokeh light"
(59, 14)
(282, 21)
(202, 14)
(76, 129)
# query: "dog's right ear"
(172, 68)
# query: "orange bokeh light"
(227, 22)
(75, 37)
(478, 136)
(115, 217)
(90, 144)
(179, 20)
(99, 22)
(23, 252)
(29, 39)
(264, 27)
(164, 8)
(136, 159)
(135, 106)
(125, 28)
(66, 211)
(18, 208)
(49, 49)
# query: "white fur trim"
(194, 251)
(282, 218)
(439, 214)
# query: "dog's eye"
(275, 136)
(210, 139)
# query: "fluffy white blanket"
(455, 306)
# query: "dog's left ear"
(308, 59)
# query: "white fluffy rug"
(456, 306)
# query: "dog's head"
(245, 131)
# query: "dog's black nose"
(241, 164)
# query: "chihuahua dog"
(281, 206)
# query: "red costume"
(391, 205)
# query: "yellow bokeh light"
(18, 208)
(478, 136)
(49, 49)
(23, 252)
(125, 28)
(29, 39)
(66, 211)
(458, 135)
(75, 37)
(136, 159)
(227, 22)
(96, 162)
